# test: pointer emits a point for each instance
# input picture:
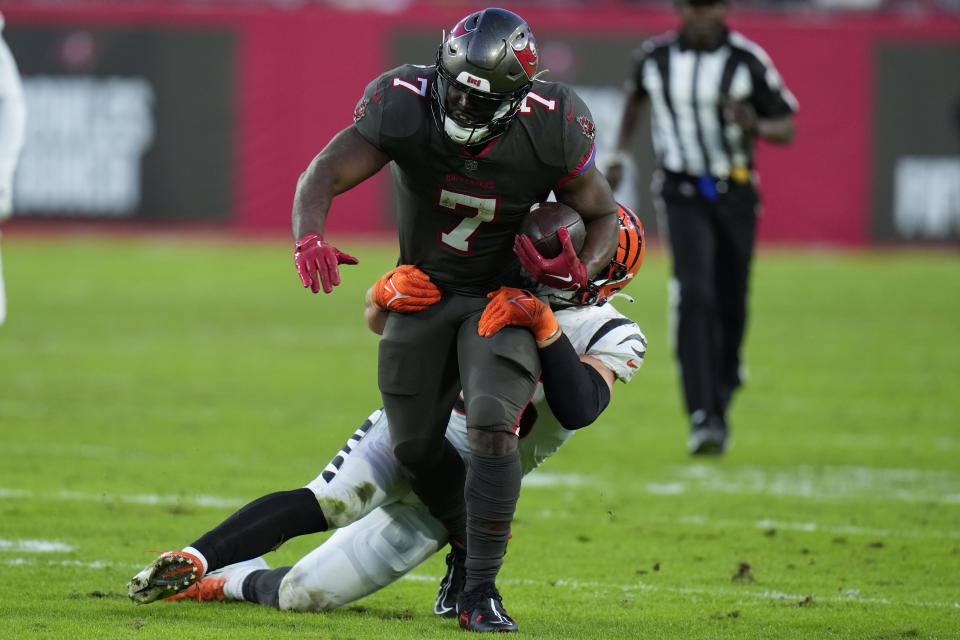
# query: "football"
(543, 221)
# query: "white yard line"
(548, 479)
(851, 595)
(34, 546)
(199, 500)
(94, 564)
(810, 527)
(202, 500)
(816, 482)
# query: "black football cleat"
(482, 611)
(451, 587)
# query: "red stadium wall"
(299, 72)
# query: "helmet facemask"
(468, 114)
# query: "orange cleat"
(169, 574)
(208, 588)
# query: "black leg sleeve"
(261, 526)
(493, 486)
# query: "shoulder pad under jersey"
(396, 105)
(559, 125)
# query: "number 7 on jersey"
(458, 238)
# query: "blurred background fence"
(206, 113)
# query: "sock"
(263, 586)
(492, 489)
(233, 587)
(200, 557)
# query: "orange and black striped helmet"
(624, 264)
(612, 278)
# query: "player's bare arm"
(375, 318)
(590, 195)
(605, 372)
(346, 161)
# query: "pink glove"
(313, 256)
(565, 272)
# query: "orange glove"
(405, 289)
(519, 308)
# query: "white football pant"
(391, 531)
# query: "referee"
(711, 92)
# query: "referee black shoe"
(451, 587)
(482, 611)
(707, 439)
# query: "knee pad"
(488, 413)
(362, 558)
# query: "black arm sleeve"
(575, 391)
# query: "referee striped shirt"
(687, 90)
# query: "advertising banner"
(125, 122)
(209, 113)
(916, 171)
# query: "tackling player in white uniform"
(383, 530)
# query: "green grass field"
(150, 386)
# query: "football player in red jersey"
(382, 530)
(473, 141)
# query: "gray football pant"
(425, 359)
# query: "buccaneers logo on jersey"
(360, 110)
(589, 129)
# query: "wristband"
(552, 336)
